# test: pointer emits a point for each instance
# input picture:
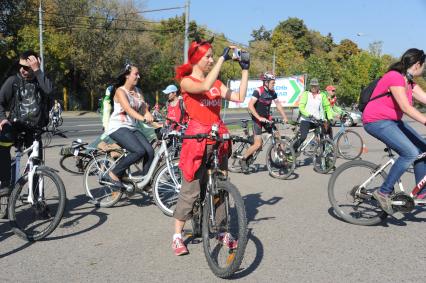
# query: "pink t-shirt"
(386, 107)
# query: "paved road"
(294, 237)
(90, 124)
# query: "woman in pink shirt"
(382, 119)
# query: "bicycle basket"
(66, 151)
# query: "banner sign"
(288, 91)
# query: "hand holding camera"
(243, 58)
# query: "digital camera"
(240, 55)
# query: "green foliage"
(87, 43)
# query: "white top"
(314, 106)
(119, 118)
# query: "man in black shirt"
(20, 91)
(260, 109)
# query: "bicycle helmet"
(267, 76)
(7, 136)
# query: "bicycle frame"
(30, 168)
(400, 188)
(141, 182)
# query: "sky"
(399, 24)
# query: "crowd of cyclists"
(196, 102)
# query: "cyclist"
(202, 94)
(312, 104)
(106, 106)
(129, 107)
(175, 106)
(331, 95)
(260, 110)
(382, 118)
(56, 110)
(18, 96)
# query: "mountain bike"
(351, 186)
(75, 158)
(280, 156)
(219, 210)
(37, 201)
(317, 145)
(164, 167)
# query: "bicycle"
(163, 167)
(219, 210)
(317, 145)
(75, 158)
(37, 201)
(280, 155)
(349, 143)
(351, 186)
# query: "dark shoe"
(244, 166)
(107, 180)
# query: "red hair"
(196, 51)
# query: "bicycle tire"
(38, 210)
(325, 156)
(234, 257)
(347, 140)
(99, 195)
(60, 121)
(234, 162)
(351, 212)
(164, 192)
(281, 159)
(74, 168)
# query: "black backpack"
(365, 95)
(30, 105)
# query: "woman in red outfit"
(202, 95)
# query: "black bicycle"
(219, 214)
(75, 158)
(280, 156)
(318, 145)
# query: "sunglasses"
(26, 68)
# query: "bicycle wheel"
(100, 195)
(351, 201)
(165, 192)
(281, 159)
(46, 138)
(234, 161)
(36, 221)
(60, 121)
(223, 215)
(349, 145)
(325, 156)
(74, 164)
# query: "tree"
(261, 34)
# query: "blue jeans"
(137, 145)
(405, 141)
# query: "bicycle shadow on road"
(75, 212)
(253, 201)
(257, 259)
(390, 220)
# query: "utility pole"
(40, 25)
(186, 44)
(273, 63)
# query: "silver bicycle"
(163, 174)
(351, 187)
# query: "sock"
(175, 236)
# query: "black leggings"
(138, 147)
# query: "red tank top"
(173, 112)
(204, 107)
